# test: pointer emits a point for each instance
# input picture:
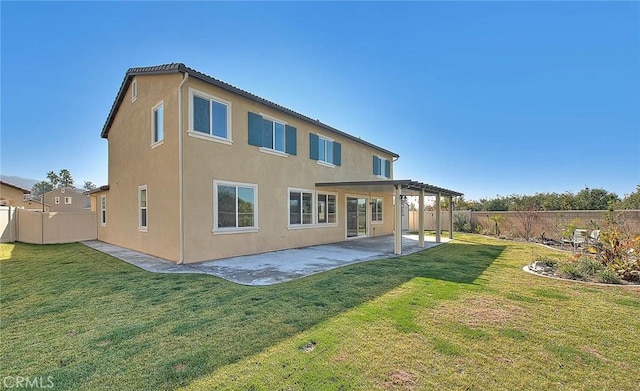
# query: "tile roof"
(22, 189)
(181, 68)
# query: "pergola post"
(397, 248)
(421, 219)
(437, 207)
(450, 217)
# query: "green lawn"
(459, 316)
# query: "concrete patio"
(277, 266)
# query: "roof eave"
(179, 67)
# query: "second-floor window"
(210, 115)
(381, 167)
(325, 150)
(272, 134)
(56, 200)
(157, 123)
(67, 200)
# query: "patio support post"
(450, 217)
(437, 208)
(397, 248)
(421, 219)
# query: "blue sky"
(485, 98)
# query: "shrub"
(619, 248)
(608, 276)
(462, 223)
(583, 268)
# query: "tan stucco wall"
(11, 195)
(206, 161)
(133, 162)
(78, 200)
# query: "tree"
(526, 210)
(595, 199)
(88, 185)
(54, 179)
(631, 201)
(61, 179)
(41, 187)
(66, 180)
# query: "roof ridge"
(180, 67)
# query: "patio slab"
(276, 266)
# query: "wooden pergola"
(400, 188)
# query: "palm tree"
(66, 180)
(53, 178)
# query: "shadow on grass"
(134, 329)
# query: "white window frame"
(68, 200)
(134, 90)
(159, 141)
(231, 230)
(383, 167)
(314, 211)
(140, 208)
(103, 210)
(313, 208)
(209, 137)
(273, 134)
(374, 207)
(322, 160)
(327, 223)
(56, 200)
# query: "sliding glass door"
(356, 217)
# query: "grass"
(458, 316)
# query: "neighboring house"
(67, 199)
(201, 170)
(19, 197)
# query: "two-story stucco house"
(201, 170)
(67, 199)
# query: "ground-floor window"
(142, 208)
(300, 207)
(235, 206)
(376, 210)
(326, 208)
(103, 210)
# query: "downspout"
(180, 169)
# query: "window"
(325, 150)
(300, 207)
(67, 200)
(235, 207)
(157, 123)
(272, 134)
(56, 200)
(381, 167)
(274, 131)
(376, 210)
(210, 115)
(103, 210)
(142, 208)
(134, 90)
(326, 208)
